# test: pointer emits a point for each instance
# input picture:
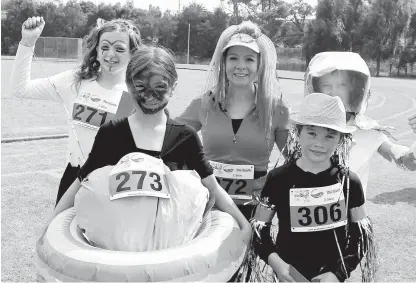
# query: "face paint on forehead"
(151, 76)
(112, 43)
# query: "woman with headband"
(93, 94)
(241, 113)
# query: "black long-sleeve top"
(181, 149)
(311, 253)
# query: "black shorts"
(69, 176)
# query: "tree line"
(380, 30)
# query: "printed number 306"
(156, 185)
(334, 214)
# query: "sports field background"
(31, 170)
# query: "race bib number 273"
(138, 174)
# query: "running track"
(31, 172)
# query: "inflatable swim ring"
(214, 254)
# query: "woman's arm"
(281, 127)
(224, 203)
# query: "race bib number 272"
(236, 180)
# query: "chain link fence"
(290, 59)
(59, 48)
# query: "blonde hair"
(269, 95)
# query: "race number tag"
(317, 209)
(138, 174)
(237, 188)
(236, 180)
(91, 111)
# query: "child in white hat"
(324, 231)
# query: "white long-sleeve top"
(88, 106)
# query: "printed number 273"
(156, 185)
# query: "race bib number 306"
(138, 174)
(316, 209)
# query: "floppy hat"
(242, 39)
(318, 109)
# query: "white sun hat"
(242, 39)
(318, 109)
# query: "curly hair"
(90, 66)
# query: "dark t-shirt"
(181, 148)
(308, 252)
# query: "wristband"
(24, 43)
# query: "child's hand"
(412, 122)
(282, 271)
(210, 204)
(31, 30)
(247, 233)
(325, 277)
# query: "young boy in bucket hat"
(324, 231)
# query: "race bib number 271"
(91, 111)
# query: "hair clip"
(100, 22)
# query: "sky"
(173, 5)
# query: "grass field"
(31, 170)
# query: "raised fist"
(31, 30)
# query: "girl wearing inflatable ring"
(151, 79)
(241, 113)
(93, 94)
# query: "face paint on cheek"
(149, 94)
